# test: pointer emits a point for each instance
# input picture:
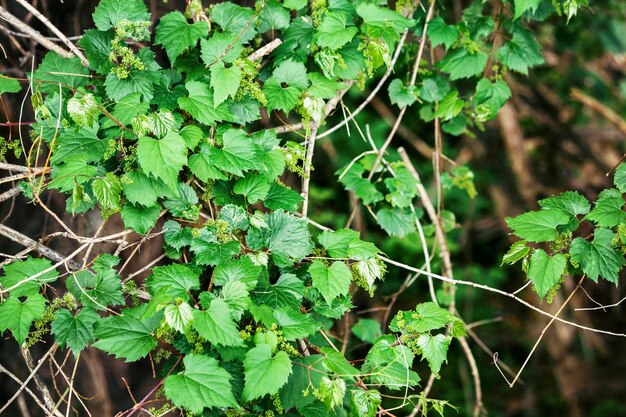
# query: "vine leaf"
(607, 211)
(330, 282)
(110, 13)
(96, 291)
(434, 349)
(570, 202)
(518, 251)
(598, 258)
(459, 63)
(163, 158)
(402, 95)
(546, 271)
(74, 331)
(522, 52)
(522, 6)
(396, 222)
(492, 95)
(237, 155)
(332, 33)
(620, 177)
(538, 226)
(177, 35)
(174, 281)
(203, 384)
(368, 330)
(224, 81)
(216, 324)
(264, 373)
(19, 271)
(126, 336)
(9, 85)
(442, 34)
(294, 324)
(140, 219)
(200, 104)
(17, 315)
(364, 403)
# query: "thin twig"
(23, 387)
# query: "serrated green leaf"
(17, 315)
(286, 292)
(368, 330)
(235, 294)
(323, 87)
(522, 52)
(434, 349)
(538, 226)
(21, 272)
(234, 19)
(200, 104)
(294, 324)
(163, 158)
(402, 95)
(332, 33)
(126, 336)
(126, 110)
(175, 281)
(177, 35)
(80, 144)
(55, 69)
(518, 251)
(450, 106)
(192, 135)
(9, 85)
(97, 46)
(216, 324)
(66, 175)
(546, 271)
(224, 81)
(110, 13)
(492, 95)
(220, 47)
(241, 269)
(459, 63)
(143, 190)
(607, 211)
(253, 186)
(570, 202)
(184, 203)
(203, 384)
(522, 6)
(137, 82)
(140, 219)
(434, 89)
(442, 34)
(237, 155)
(598, 258)
(396, 222)
(264, 373)
(291, 394)
(108, 191)
(330, 282)
(74, 331)
(346, 243)
(364, 403)
(390, 365)
(353, 181)
(96, 291)
(620, 177)
(280, 197)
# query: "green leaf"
(442, 34)
(137, 82)
(17, 315)
(74, 331)
(184, 203)
(345, 243)
(291, 394)
(220, 47)
(364, 403)
(175, 236)
(237, 154)
(450, 106)
(178, 316)
(202, 164)
(97, 46)
(9, 85)
(235, 294)
(538, 226)
(522, 52)
(140, 219)
(396, 222)
(322, 87)
(353, 181)
(80, 144)
(330, 282)
(108, 191)
(142, 190)
(286, 292)
(607, 211)
(192, 135)
(209, 251)
(177, 35)
(126, 336)
(522, 6)
(126, 110)
(546, 271)
(294, 324)
(234, 19)
(570, 202)
(428, 316)
(163, 158)
(97, 291)
(401, 94)
(253, 186)
(273, 17)
(434, 89)
(390, 365)
(337, 363)
(264, 373)
(280, 197)
(216, 324)
(599, 257)
(332, 33)
(175, 281)
(332, 391)
(491, 95)
(20, 272)
(55, 69)
(241, 269)
(459, 63)
(287, 238)
(203, 384)
(434, 349)
(65, 176)
(383, 17)
(368, 330)
(620, 177)
(283, 89)
(224, 81)
(200, 105)
(518, 251)
(110, 13)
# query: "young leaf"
(216, 324)
(74, 331)
(450, 106)
(177, 35)
(163, 158)
(364, 403)
(330, 282)
(346, 243)
(546, 271)
(518, 251)
(264, 373)
(178, 316)
(434, 349)
(203, 384)
(598, 258)
(241, 269)
(492, 95)
(538, 226)
(107, 190)
(17, 315)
